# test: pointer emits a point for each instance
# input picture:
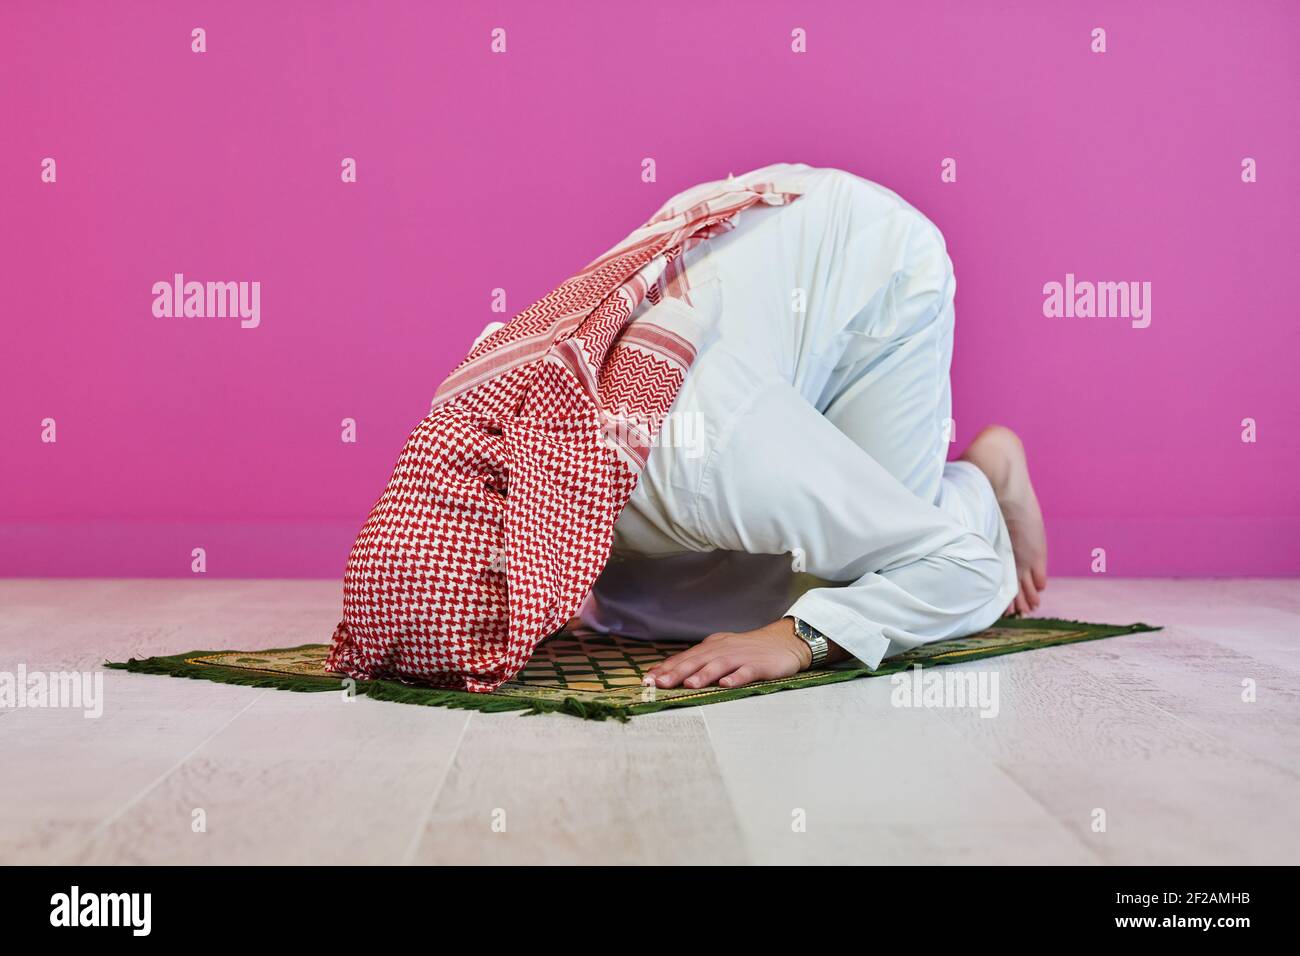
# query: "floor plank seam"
(418, 837)
(149, 788)
(1008, 774)
(1227, 744)
(747, 850)
(1206, 734)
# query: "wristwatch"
(814, 638)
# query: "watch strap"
(814, 638)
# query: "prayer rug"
(598, 676)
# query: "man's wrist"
(822, 650)
(802, 652)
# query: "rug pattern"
(598, 676)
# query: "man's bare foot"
(998, 453)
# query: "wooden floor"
(1152, 729)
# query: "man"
(795, 325)
(818, 422)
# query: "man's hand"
(733, 660)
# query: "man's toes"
(1029, 591)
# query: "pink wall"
(478, 170)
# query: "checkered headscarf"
(500, 513)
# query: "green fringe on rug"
(534, 700)
(178, 665)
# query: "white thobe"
(803, 469)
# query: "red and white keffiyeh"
(500, 513)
